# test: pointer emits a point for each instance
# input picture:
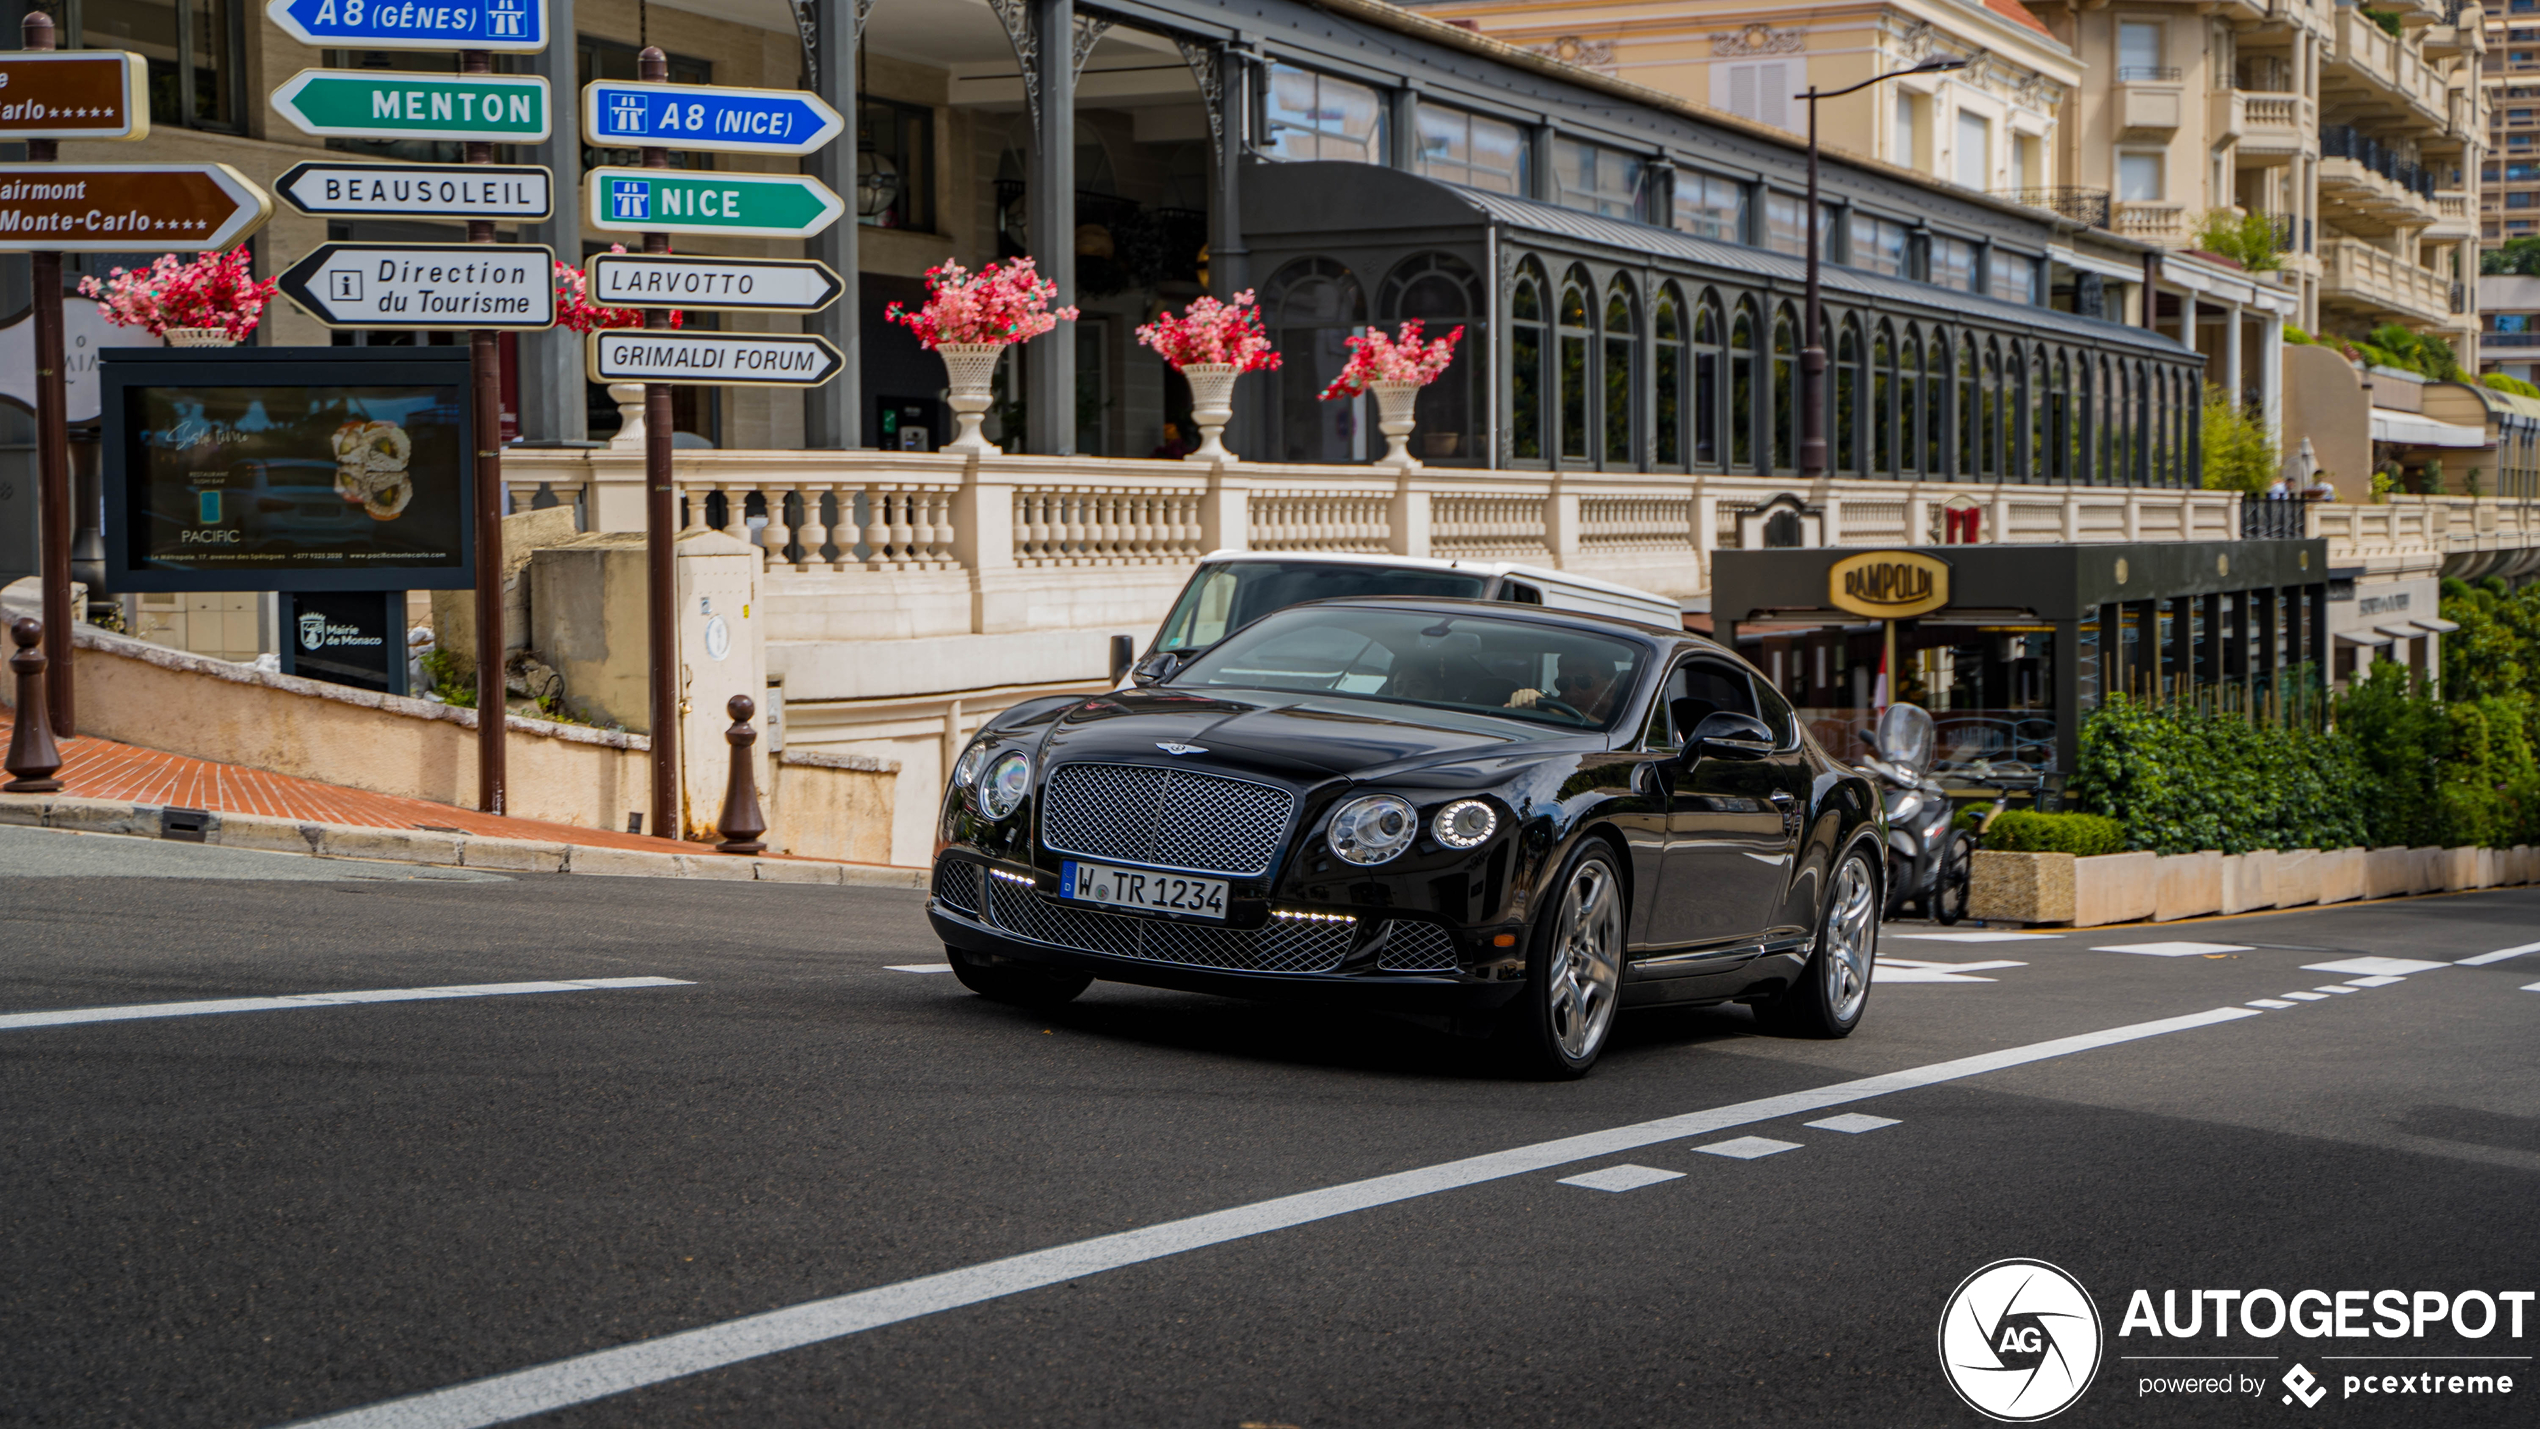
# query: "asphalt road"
(715, 1101)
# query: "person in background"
(1174, 447)
(1584, 684)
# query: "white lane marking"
(1977, 937)
(2270, 1002)
(2374, 981)
(1902, 970)
(918, 968)
(2375, 967)
(70, 1015)
(2531, 987)
(2172, 950)
(2498, 956)
(545, 1388)
(1622, 1178)
(1853, 1123)
(2308, 996)
(2334, 988)
(1748, 1148)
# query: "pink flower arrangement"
(1001, 304)
(576, 310)
(1378, 358)
(216, 290)
(1211, 331)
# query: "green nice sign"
(691, 201)
(399, 104)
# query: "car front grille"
(1412, 946)
(1165, 818)
(1282, 947)
(957, 885)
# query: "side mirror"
(1124, 655)
(1728, 732)
(1155, 667)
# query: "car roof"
(1512, 610)
(1435, 563)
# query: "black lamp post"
(1812, 356)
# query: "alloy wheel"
(1851, 940)
(1587, 959)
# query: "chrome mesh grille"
(1164, 818)
(1412, 946)
(1282, 947)
(957, 885)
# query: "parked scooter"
(1928, 863)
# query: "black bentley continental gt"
(1511, 819)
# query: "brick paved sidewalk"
(103, 769)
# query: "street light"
(1812, 357)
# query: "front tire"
(1574, 971)
(1834, 988)
(1957, 874)
(1016, 984)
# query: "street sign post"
(764, 285)
(710, 359)
(125, 208)
(735, 205)
(698, 116)
(427, 285)
(419, 190)
(402, 104)
(512, 26)
(73, 94)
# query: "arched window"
(1970, 429)
(1526, 343)
(2106, 417)
(1706, 382)
(2060, 428)
(2042, 406)
(1848, 386)
(1785, 394)
(1312, 307)
(1883, 402)
(1935, 405)
(1989, 412)
(1668, 420)
(1620, 375)
(1744, 410)
(1574, 365)
(1444, 293)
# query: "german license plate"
(1142, 890)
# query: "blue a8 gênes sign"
(698, 116)
(515, 26)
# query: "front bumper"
(1402, 964)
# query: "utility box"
(721, 654)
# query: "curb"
(270, 835)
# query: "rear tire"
(1834, 988)
(1016, 984)
(1574, 972)
(1957, 873)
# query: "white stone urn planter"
(1212, 407)
(200, 337)
(970, 370)
(1394, 401)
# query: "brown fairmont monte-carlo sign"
(123, 208)
(1888, 585)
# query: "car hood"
(1300, 738)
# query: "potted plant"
(213, 301)
(970, 320)
(1211, 344)
(1395, 369)
(576, 309)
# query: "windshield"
(1513, 668)
(1234, 594)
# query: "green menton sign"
(396, 104)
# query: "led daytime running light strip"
(1296, 917)
(1010, 877)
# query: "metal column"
(554, 401)
(833, 413)
(1050, 361)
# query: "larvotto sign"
(1888, 585)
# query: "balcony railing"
(2509, 339)
(2146, 74)
(2361, 275)
(2262, 520)
(2088, 206)
(2344, 141)
(2155, 222)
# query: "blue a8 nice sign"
(516, 26)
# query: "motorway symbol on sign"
(127, 208)
(696, 116)
(738, 205)
(73, 94)
(401, 104)
(709, 359)
(427, 285)
(659, 280)
(514, 26)
(420, 190)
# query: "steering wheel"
(1547, 702)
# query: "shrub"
(2245, 238)
(2182, 779)
(2503, 382)
(2239, 455)
(2021, 831)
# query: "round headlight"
(1373, 829)
(1007, 781)
(1465, 823)
(966, 773)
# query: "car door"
(1731, 827)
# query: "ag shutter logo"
(2305, 1385)
(2019, 1341)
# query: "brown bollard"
(742, 823)
(32, 757)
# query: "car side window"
(1697, 687)
(1520, 592)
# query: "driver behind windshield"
(1582, 682)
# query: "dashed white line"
(70, 1016)
(2375, 967)
(2334, 988)
(1853, 1123)
(1622, 1178)
(1748, 1148)
(2373, 981)
(2531, 987)
(1994, 937)
(546, 1388)
(2271, 1003)
(2173, 950)
(2500, 955)
(2308, 996)
(918, 968)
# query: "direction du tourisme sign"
(516, 26)
(427, 285)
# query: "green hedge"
(2183, 779)
(2020, 831)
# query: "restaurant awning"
(2408, 429)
